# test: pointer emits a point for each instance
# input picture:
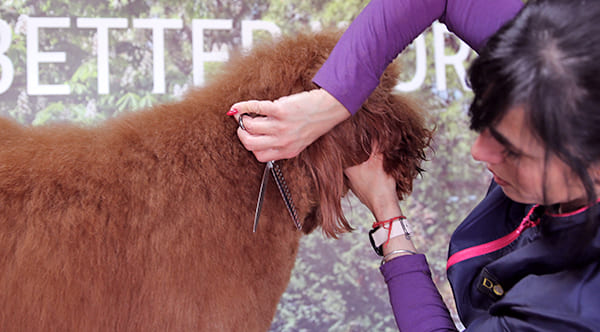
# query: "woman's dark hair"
(547, 59)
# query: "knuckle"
(255, 107)
(244, 139)
(263, 158)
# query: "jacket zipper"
(532, 219)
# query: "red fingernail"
(232, 111)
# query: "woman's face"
(517, 159)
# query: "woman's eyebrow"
(503, 140)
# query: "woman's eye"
(511, 154)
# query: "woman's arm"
(385, 27)
(415, 300)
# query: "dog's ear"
(324, 160)
(404, 143)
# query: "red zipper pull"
(532, 219)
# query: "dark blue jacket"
(548, 279)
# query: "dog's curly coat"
(144, 222)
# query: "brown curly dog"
(144, 222)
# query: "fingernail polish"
(232, 111)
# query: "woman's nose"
(487, 149)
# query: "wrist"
(386, 211)
(336, 111)
(398, 246)
(398, 243)
(330, 102)
(391, 235)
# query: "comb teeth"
(285, 192)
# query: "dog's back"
(102, 229)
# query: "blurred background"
(86, 61)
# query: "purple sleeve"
(416, 302)
(385, 27)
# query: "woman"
(527, 258)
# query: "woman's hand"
(374, 187)
(287, 125)
(377, 190)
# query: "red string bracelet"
(388, 222)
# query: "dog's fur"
(144, 222)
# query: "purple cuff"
(416, 302)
